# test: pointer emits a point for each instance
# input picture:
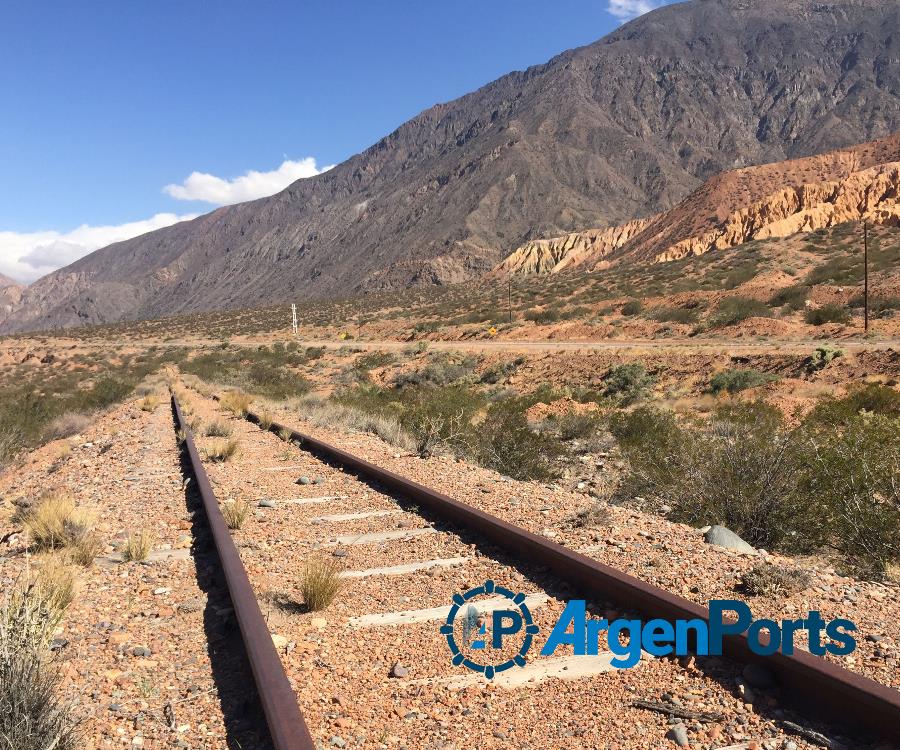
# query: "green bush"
(673, 315)
(792, 297)
(827, 314)
(550, 315)
(632, 307)
(627, 383)
(508, 445)
(829, 483)
(822, 357)
(871, 398)
(732, 310)
(443, 369)
(735, 381)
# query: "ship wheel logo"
(508, 620)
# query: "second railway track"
(373, 669)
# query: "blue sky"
(105, 104)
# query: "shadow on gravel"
(245, 723)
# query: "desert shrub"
(285, 434)
(791, 297)
(221, 450)
(573, 426)
(137, 546)
(735, 381)
(265, 419)
(732, 310)
(548, 315)
(627, 383)
(149, 402)
(673, 315)
(374, 360)
(594, 516)
(879, 307)
(872, 398)
(822, 357)
(507, 444)
(320, 582)
(217, 428)
(236, 402)
(440, 419)
(852, 474)
(66, 425)
(501, 371)
(31, 714)
(632, 307)
(830, 313)
(53, 522)
(348, 415)
(235, 513)
(85, 548)
(773, 580)
(738, 470)
(55, 583)
(443, 369)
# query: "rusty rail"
(287, 728)
(811, 682)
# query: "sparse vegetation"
(735, 381)
(732, 310)
(32, 717)
(632, 307)
(149, 402)
(137, 546)
(218, 428)
(220, 450)
(54, 522)
(822, 357)
(627, 383)
(773, 580)
(235, 513)
(265, 419)
(321, 582)
(793, 488)
(818, 316)
(237, 402)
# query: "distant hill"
(5, 281)
(773, 200)
(618, 130)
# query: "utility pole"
(294, 318)
(866, 275)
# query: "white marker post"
(294, 318)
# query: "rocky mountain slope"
(774, 200)
(620, 129)
(10, 295)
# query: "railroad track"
(461, 543)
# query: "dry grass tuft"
(235, 513)
(55, 583)
(66, 425)
(85, 549)
(285, 434)
(138, 546)
(321, 582)
(31, 715)
(221, 450)
(54, 522)
(237, 402)
(218, 428)
(150, 402)
(265, 420)
(773, 580)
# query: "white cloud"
(625, 10)
(200, 186)
(26, 256)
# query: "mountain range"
(616, 131)
(753, 203)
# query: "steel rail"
(816, 685)
(287, 728)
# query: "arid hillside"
(611, 132)
(754, 203)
